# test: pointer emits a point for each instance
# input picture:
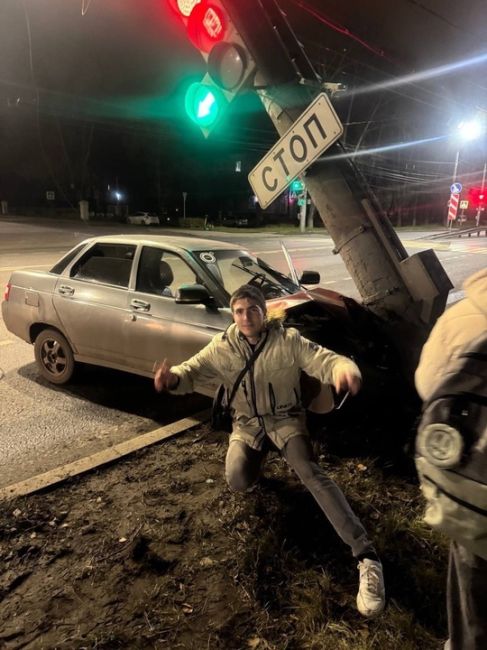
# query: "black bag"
(451, 451)
(221, 414)
(221, 417)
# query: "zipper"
(298, 399)
(244, 386)
(254, 396)
(272, 398)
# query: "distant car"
(143, 219)
(126, 301)
(243, 220)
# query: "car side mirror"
(192, 294)
(309, 277)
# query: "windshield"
(233, 268)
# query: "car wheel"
(54, 356)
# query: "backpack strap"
(250, 361)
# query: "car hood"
(324, 297)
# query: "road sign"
(312, 133)
(50, 195)
(456, 188)
(453, 207)
(463, 205)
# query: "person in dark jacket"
(458, 327)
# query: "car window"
(66, 260)
(161, 272)
(233, 268)
(106, 263)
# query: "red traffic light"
(207, 25)
(182, 7)
(477, 197)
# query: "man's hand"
(164, 379)
(347, 379)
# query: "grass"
(203, 567)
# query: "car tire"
(54, 356)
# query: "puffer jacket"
(268, 400)
(457, 327)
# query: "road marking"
(426, 244)
(6, 342)
(82, 465)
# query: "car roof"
(173, 242)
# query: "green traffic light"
(204, 104)
(297, 185)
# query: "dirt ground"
(155, 552)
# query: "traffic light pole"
(406, 292)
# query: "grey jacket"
(268, 400)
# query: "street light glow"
(470, 130)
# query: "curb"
(59, 474)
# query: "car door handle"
(66, 290)
(140, 305)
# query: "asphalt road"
(43, 426)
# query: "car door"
(159, 327)
(92, 302)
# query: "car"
(127, 301)
(243, 220)
(143, 219)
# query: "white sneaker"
(371, 592)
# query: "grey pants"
(242, 470)
(466, 600)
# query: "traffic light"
(229, 62)
(297, 186)
(477, 197)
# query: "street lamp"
(470, 130)
(185, 194)
(466, 131)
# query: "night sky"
(91, 95)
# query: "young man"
(267, 404)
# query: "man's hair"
(251, 293)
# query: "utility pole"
(407, 292)
(482, 190)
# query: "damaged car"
(126, 301)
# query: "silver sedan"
(127, 301)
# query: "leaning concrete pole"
(406, 292)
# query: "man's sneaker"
(371, 592)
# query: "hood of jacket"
(237, 341)
(476, 290)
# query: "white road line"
(426, 244)
(6, 342)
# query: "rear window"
(66, 260)
(106, 264)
